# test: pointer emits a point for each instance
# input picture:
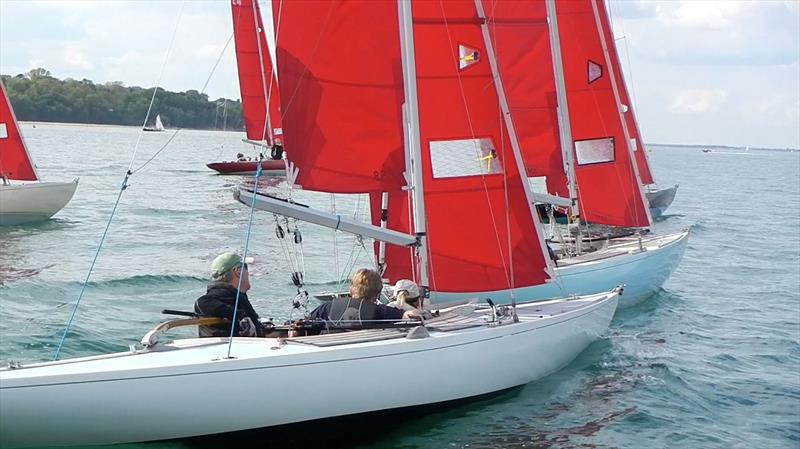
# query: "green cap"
(225, 262)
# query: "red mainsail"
(257, 81)
(609, 189)
(341, 89)
(630, 119)
(15, 162)
(522, 44)
(481, 233)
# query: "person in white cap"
(227, 270)
(405, 295)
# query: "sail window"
(594, 151)
(3, 131)
(465, 157)
(538, 184)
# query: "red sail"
(341, 86)
(480, 229)
(257, 81)
(633, 126)
(15, 162)
(522, 43)
(609, 189)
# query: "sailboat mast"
(565, 131)
(266, 132)
(412, 142)
(512, 133)
(612, 76)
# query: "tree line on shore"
(38, 96)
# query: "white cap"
(409, 286)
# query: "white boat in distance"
(161, 391)
(158, 126)
(26, 201)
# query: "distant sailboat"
(29, 201)
(157, 128)
(259, 86)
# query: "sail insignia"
(467, 56)
(594, 71)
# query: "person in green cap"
(220, 299)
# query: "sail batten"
(15, 161)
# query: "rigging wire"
(234, 323)
(123, 186)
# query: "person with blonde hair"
(365, 288)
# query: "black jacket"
(354, 309)
(219, 301)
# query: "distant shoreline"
(107, 125)
(663, 145)
(721, 147)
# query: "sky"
(721, 72)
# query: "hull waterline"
(165, 394)
(32, 202)
(642, 272)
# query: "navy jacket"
(219, 301)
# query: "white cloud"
(702, 13)
(695, 101)
(75, 57)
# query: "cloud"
(74, 57)
(695, 101)
(712, 32)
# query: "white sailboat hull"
(642, 272)
(36, 201)
(180, 390)
(660, 199)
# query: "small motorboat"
(248, 167)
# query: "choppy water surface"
(712, 361)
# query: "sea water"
(712, 360)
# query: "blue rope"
(91, 267)
(244, 256)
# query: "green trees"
(38, 96)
